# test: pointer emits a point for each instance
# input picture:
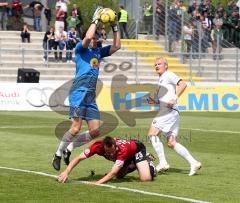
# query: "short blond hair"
(162, 59)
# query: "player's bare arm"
(63, 177)
(89, 35)
(116, 39)
(181, 88)
(110, 175)
(92, 29)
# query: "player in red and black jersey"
(128, 156)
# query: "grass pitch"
(28, 142)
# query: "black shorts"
(141, 152)
(130, 165)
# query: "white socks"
(184, 153)
(158, 147)
(66, 140)
(81, 139)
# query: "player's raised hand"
(63, 177)
(114, 24)
(96, 15)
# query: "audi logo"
(39, 97)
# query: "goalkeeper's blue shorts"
(83, 105)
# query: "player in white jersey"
(167, 119)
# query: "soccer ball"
(107, 15)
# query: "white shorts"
(168, 124)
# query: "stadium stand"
(139, 54)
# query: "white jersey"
(167, 83)
(167, 120)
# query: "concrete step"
(18, 39)
(17, 34)
(20, 45)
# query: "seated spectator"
(25, 34)
(48, 42)
(60, 43)
(71, 43)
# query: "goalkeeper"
(83, 91)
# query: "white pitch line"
(50, 126)
(109, 186)
(216, 131)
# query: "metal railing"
(192, 66)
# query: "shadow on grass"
(178, 170)
(98, 176)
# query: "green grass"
(28, 142)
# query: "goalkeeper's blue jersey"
(87, 70)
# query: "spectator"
(187, 36)
(17, 9)
(230, 6)
(172, 26)
(72, 22)
(206, 27)
(181, 9)
(59, 13)
(160, 19)
(148, 17)
(63, 4)
(237, 43)
(25, 34)
(192, 8)
(211, 10)
(48, 42)
(220, 10)
(76, 13)
(71, 43)
(37, 8)
(48, 15)
(226, 27)
(217, 37)
(217, 20)
(3, 15)
(15, 22)
(234, 24)
(196, 38)
(60, 43)
(203, 7)
(123, 19)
